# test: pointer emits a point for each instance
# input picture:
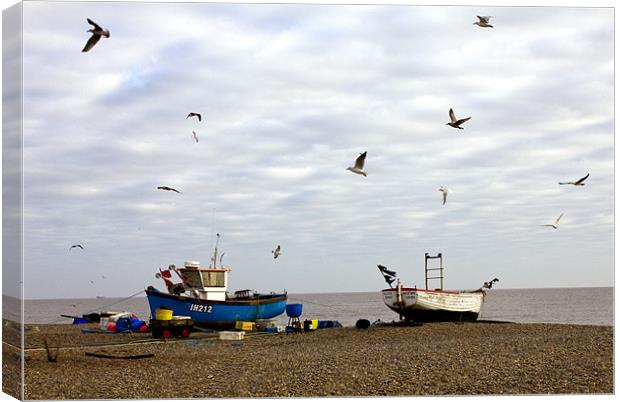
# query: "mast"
(214, 259)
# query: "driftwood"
(118, 357)
(50, 358)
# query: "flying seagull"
(555, 225)
(445, 191)
(579, 182)
(195, 135)
(483, 21)
(97, 33)
(168, 189)
(276, 252)
(454, 122)
(359, 165)
(192, 114)
(75, 246)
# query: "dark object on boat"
(179, 327)
(50, 358)
(362, 324)
(119, 357)
(389, 276)
(489, 284)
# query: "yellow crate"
(245, 326)
(163, 314)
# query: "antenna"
(214, 259)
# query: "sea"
(586, 306)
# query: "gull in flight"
(195, 135)
(76, 246)
(454, 122)
(97, 33)
(555, 225)
(192, 114)
(276, 252)
(168, 189)
(483, 21)
(445, 192)
(359, 165)
(579, 182)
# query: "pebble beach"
(432, 359)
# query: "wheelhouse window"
(213, 279)
(193, 278)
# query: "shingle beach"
(432, 359)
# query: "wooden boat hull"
(433, 305)
(218, 314)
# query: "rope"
(116, 302)
(325, 305)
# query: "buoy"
(362, 324)
(111, 326)
(144, 328)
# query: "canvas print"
(236, 200)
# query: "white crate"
(232, 335)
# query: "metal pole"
(441, 269)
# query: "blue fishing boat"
(202, 295)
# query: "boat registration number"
(201, 308)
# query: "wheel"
(166, 333)
(185, 333)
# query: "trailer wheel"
(185, 333)
(166, 333)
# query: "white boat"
(425, 305)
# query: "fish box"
(231, 335)
(245, 326)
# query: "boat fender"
(362, 324)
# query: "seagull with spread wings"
(580, 182)
(359, 165)
(483, 21)
(276, 252)
(192, 114)
(76, 246)
(454, 122)
(555, 225)
(195, 135)
(166, 188)
(97, 33)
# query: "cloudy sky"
(290, 95)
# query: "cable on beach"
(325, 305)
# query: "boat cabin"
(205, 283)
